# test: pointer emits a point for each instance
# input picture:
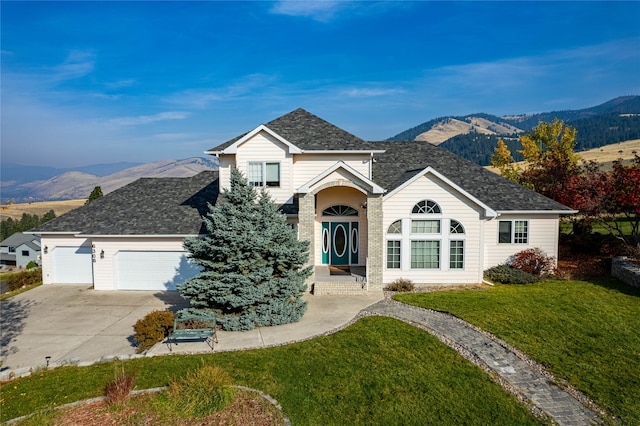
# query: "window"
(425, 226)
(12, 249)
(456, 254)
(456, 227)
(25, 252)
(425, 254)
(426, 207)
(395, 227)
(263, 174)
(516, 231)
(393, 254)
(340, 210)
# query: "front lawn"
(583, 332)
(377, 371)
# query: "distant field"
(15, 211)
(609, 153)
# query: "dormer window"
(262, 173)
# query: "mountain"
(71, 185)
(475, 136)
(19, 173)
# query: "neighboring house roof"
(309, 133)
(148, 206)
(31, 245)
(401, 161)
(20, 238)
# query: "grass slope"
(377, 371)
(583, 332)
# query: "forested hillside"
(614, 121)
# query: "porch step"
(339, 287)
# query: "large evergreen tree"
(253, 264)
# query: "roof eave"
(501, 212)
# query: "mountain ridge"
(474, 136)
(75, 184)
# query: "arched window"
(426, 207)
(456, 227)
(395, 227)
(340, 210)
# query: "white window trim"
(386, 263)
(512, 237)
(264, 173)
(440, 257)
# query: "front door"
(340, 243)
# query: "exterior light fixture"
(46, 249)
(101, 254)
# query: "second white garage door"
(152, 270)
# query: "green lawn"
(377, 371)
(596, 227)
(584, 332)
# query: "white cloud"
(78, 64)
(371, 92)
(203, 98)
(146, 119)
(320, 10)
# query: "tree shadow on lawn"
(14, 314)
(612, 283)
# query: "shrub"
(153, 328)
(202, 392)
(31, 265)
(401, 284)
(24, 279)
(118, 391)
(506, 274)
(533, 261)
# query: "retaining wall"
(626, 271)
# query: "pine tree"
(95, 194)
(253, 272)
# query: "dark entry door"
(339, 243)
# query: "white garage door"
(72, 265)
(152, 270)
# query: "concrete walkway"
(522, 378)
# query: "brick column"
(306, 222)
(375, 243)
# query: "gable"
(341, 172)
(433, 186)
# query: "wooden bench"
(194, 327)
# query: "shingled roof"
(403, 160)
(148, 206)
(309, 133)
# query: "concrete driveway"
(68, 321)
(78, 323)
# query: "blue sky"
(100, 82)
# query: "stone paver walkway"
(519, 375)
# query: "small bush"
(153, 328)
(533, 261)
(118, 391)
(24, 279)
(31, 265)
(401, 285)
(202, 392)
(506, 274)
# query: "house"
(372, 211)
(20, 249)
